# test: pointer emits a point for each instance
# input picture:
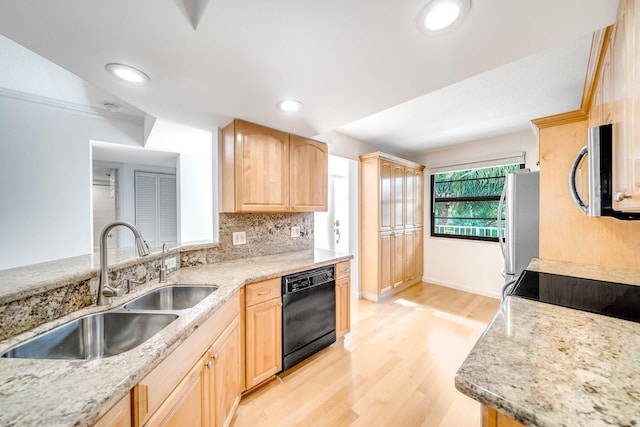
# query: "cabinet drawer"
(343, 269)
(262, 291)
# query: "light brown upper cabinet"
(616, 100)
(266, 170)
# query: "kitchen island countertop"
(79, 392)
(546, 365)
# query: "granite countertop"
(546, 365)
(23, 282)
(79, 392)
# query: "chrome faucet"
(163, 267)
(106, 292)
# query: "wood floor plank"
(395, 368)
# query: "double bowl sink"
(114, 331)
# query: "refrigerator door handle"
(572, 180)
(501, 237)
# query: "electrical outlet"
(295, 231)
(240, 238)
(170, 263)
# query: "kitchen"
(483, 274)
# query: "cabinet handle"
(264, 293)
(209, 364)
(620, 196)
(214, 357)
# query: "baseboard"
(369, 296)
(462, 288)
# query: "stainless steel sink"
(171, 298)
(94, 336)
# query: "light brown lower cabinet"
(343, 298)
(184, 405)
(224, 376)
(492, 418)
(263, 331)
(118, 416)
(198, 384)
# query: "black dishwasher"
(308, 314)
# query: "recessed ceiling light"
(440, 15)
(289, 105)
(127, 73)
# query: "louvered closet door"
(167, 209)
(155, 204)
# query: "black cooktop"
(608, 298)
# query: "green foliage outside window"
(465, 203)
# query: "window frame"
(463, 199)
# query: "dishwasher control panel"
(306, 279)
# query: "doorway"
(336, 229)
(104, 191)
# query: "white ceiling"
(360, 67)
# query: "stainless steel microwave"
(599, 152)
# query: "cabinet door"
(185, 404)
(409, 255)
(261, 168)
(118, 416)
(397, 258)
(397, 192)
(626, 130)
(385, 264)
(309, 169)
(386, 201)
(263, 344)
(409, 197)
(225, 375)
(343, 307)
(418, 253)
(418, 182)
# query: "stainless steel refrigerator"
(520, 207)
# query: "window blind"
(507, 159)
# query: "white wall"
(469, 265)
(345, 146)
(45, 179)
(195, 171)
(350, 148)
(195, 194)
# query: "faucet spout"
(105, 292)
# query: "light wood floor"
(395, 368)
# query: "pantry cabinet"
(391, 200)
(343, 298)
(266, 170)
(263, 331)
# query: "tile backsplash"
(267, 233)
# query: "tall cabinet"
(391, 227)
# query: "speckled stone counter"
(79, 392)
(546, 365)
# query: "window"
(156, 207)
(464, 203)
